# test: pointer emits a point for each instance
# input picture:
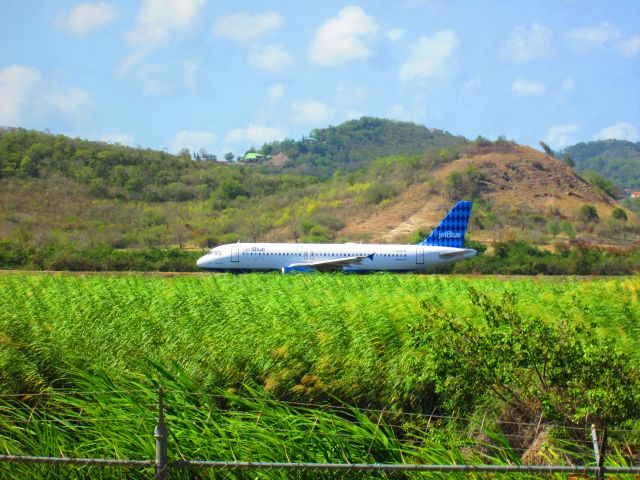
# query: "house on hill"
(635, 195)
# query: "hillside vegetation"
(124, 173)
(60, 193)
(355, 144)
(616, 160)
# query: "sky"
(225, 76)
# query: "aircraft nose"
(202, 262)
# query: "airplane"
(443, 246)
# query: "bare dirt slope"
(515, 179)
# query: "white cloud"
(25, 95)
(630, 47)
(568, 85)
(254, 134)
(121, 138)
(129, 61)
(620, 131)
(71, 102)
(311, 112)
(246, 27)
(587, 38)
(560, 136)
(276, 92)
(428, 56)
(273, 59)
(190, 69)
(527, 88)
(395, 35)
(341, 39)
(194, 140)
(162, 78)
(16, 84)
(86, 17)
(156, 79)
(156, 21)
(527, 44)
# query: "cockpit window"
(215, 252)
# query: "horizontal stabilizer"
(456, 253)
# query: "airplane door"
(419, 256)
(235, 254)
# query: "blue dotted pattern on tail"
(450, 232)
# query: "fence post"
(161, 433)
(599, 450)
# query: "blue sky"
(224, 76)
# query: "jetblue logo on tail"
(450, 232)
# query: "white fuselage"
(280, 256)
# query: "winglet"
(451, 231)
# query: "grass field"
(78, 350)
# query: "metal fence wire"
(162, 465)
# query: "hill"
(50, 200)
(353, 145)
(113, 171)
(617, 160)
(516, 189)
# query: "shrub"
(560, 367)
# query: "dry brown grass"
(516, 178)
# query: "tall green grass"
(308, 337)
(105, 420)
(227, 347)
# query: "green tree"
(588, 214)
(185, 154)
(465, 184)
(419, 235)
(480, 141)
(28, 167)
(604, 184)
(85, 174)
(553, 227)
(228, 157)
(567, 160)
(619, 214)
(566, 227)
(546, 148)
(98, 187)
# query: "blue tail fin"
(450, 232)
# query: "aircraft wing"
(334, 264)
(455, 253)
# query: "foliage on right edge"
(564, 370)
